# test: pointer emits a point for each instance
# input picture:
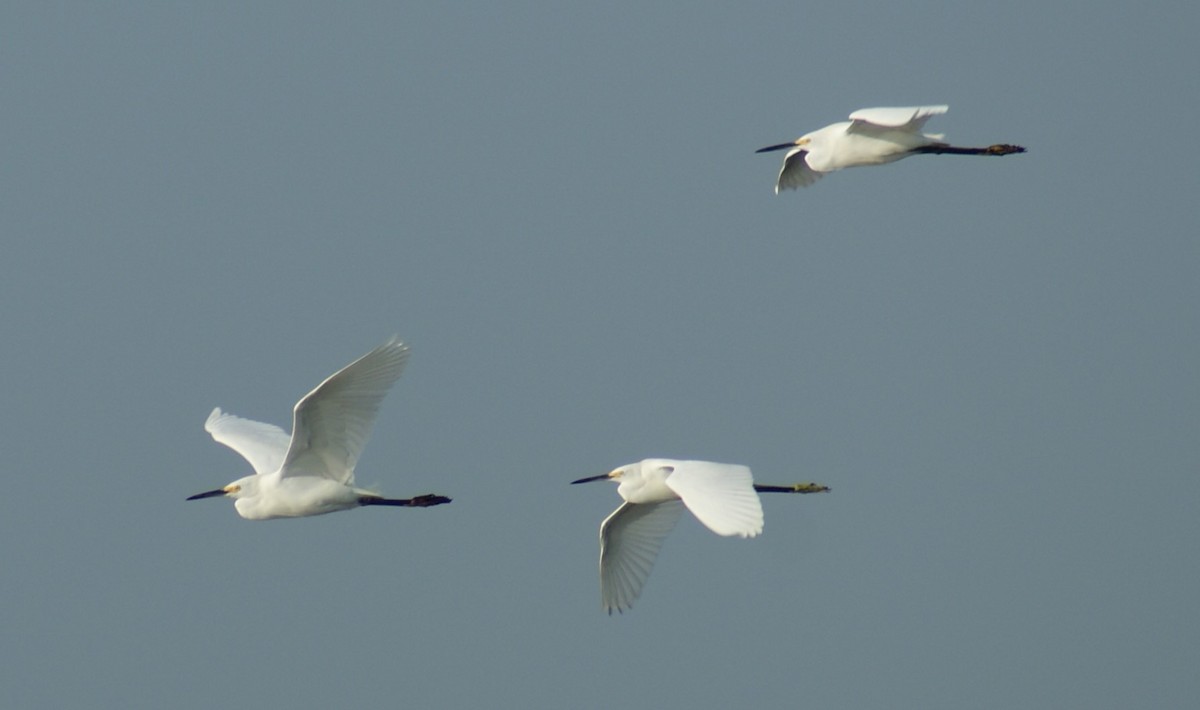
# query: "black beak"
(208, 494)
(781, 146)
(601, 477)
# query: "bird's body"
(722, 496)
(872, 136)
(311, 472)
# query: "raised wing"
(795, 172)
(721, 495)
(630, 539)
(263, 445)
(910, 117)
(330, 426)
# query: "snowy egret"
(723, 496)
(311, 472)
(872, 136)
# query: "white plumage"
(720, 495)
(311, 471)
(872, 136)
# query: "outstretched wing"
(630, 539)
(263, 445)
(721, 495)
(908, 117)
(330, 426)
(795, 172)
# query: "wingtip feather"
(213, 417)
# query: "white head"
(822, 139)
(641, 482)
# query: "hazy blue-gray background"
(992, 362)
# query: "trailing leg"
(944, 149)
(794, 488)
(424, 501)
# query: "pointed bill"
(781, 146)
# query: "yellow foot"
(810, 488)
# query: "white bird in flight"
(311, 472)
(872, 136)
(722, 496)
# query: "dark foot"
(427, 500)
(1004, 149)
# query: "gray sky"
(992, 362)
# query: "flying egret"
(872, 136)
(722, 495)
(311, 472)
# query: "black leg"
(424, 501)
(794, 488)
(943, 149)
